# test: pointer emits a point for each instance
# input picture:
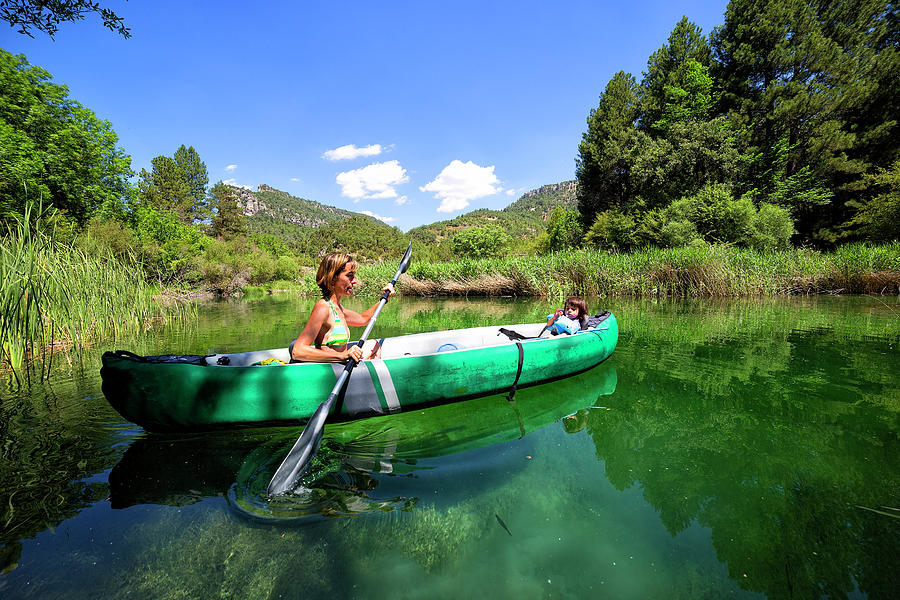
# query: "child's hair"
(578, 304)
(330, 267)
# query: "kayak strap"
(512, 390)
(512, 335)
(188, 359)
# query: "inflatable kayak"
(184, 393)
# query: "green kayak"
(179, 393)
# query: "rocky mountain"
(524, 218)
(269, 202)
(543, 200)
(275, 212)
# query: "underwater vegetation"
(219, 556)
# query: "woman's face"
(346, 279)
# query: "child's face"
(571, 311)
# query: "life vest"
(564, 324)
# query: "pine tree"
(601, 167)
(677, 78)
(177, 184)
(807, 79)
(229, 221)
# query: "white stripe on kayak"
(359, 395)
(387, 384)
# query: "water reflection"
(779, 434)
(749, 449)
(355, 469)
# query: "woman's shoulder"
(320, 307)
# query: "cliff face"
(544, 199)
(266, 201)
(564, 191)
(248, 202)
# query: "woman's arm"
(355, 319)
(305, 346)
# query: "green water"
(735, 449)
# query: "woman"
(325, 337)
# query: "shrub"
(612, 230)
(286, 267)
(563, 229)
(771, 228)
(479, 242)
(262, 267)
(109, 235)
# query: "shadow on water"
(361, 464)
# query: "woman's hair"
(578, 304)
(330, 267)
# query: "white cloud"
(295, 179)
(235, 183)
(379, 217)
(374, 181)
(460, 183)
(511, 192)
(401, 200)
(230, 168)
(350, 151)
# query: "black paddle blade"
(297, 461)
(407, 258)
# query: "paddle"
(301, 454)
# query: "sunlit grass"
(706, 271)
(53, 296)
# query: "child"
(571, 319)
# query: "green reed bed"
(58, 296)
(706, 271)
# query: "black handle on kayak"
(304, 449)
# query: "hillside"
(524, 218)
(307, 224)
(278, 213)
(543, 200)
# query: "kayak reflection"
(359, 462)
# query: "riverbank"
(705, 272)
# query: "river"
(745, 449)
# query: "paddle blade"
(297, 461)
(407, 258)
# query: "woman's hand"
(352, 351)
(389, 288)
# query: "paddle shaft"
(301, 454)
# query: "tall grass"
(53, 295)
(708, 271)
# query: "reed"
(705, 271)
(54, 296)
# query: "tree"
(52, 149)
(563, 229)
(690, 99)
(229, 220)
(802, 76)
(46, 16)
(678, 75)
(601, 168)
(479, 242)
(177, 184)
(878, 219)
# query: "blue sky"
(412, 111)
